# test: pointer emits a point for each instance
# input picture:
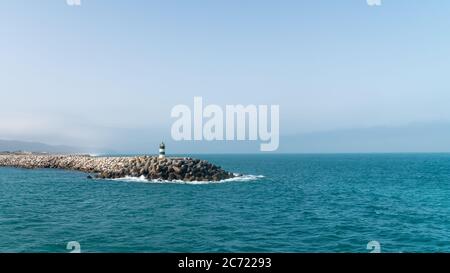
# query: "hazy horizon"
(415, 138)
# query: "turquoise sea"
(292, 203)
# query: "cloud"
(55, 130)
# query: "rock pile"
(150, 167)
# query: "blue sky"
(107, 73)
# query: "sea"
(325, 203)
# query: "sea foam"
(142, 179)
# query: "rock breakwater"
(150, 167)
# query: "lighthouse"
(162, 150)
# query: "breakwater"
(150, 167)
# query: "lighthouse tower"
(162, 150)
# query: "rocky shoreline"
(150, 167)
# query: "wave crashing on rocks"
(237, 178)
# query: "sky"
(106, 74)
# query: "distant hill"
(416, 137)
(37, 147)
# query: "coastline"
(150, 167)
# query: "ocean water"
(291, 203)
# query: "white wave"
(131, 179)
(142, 179)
